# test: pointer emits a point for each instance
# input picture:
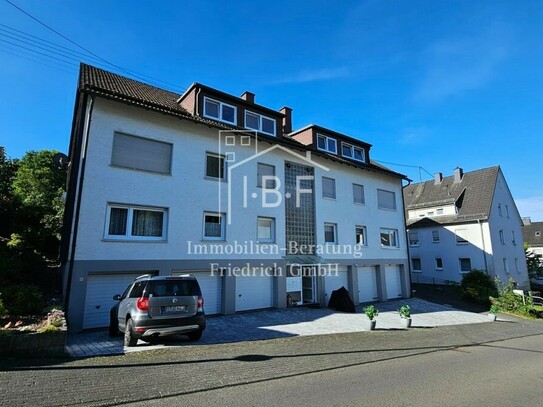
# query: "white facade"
(492, 244)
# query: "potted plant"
(492, 313)
(405, 316)
(371, 312)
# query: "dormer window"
(260, 123)
(213, 109)
(350, 151)
(326, 143)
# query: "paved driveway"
(270, 324)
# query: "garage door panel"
(211, 286)
(333, 282)
(254, 292)
(99, 297)
(393, 282)
(367, 284)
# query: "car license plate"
(176, 308)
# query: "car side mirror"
(117, 297)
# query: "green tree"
(8, 201)
(38, 186)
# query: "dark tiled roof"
(529, 234)
(110, 85)
(473, 195)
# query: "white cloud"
(454, 66)
(316, 75)
(531, 207)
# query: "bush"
(23, 299)
(478, 286)
(508, 301)
(3, 310)
(49, 328)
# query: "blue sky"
(431, 84)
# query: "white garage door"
(254, 292)
(333, 282)
(99, 299)
(211, 286)
(367, 284)
(393, 282)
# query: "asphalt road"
(487, 364)
(505, 373)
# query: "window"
(389, 238)
(326, 143)
(513, 238)
(386, 199)
(507, 210)
(516, 265)
(505, 265)
(502, 238)
(435, 236)
(356, 153)
(361, 235)
(358, 194)
(417, 265)
(266, 230)
(215, 166)
(267, 171)
(328, 188)
(439, 211)
(465, 265)
(431, 213)
(461, 236)
(260, 123)
(223, 112)
(214, 226)
(439, 263)
(143, 154)
(137, 290)
(414, 239)
(500, 209)
(135, 223)
(330, 233)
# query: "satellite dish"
(61, 160)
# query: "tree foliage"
(533, 262)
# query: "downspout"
(196, 103)
(86, 130)
(484, 246)
(407, 241)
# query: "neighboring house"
(463, 222)
(532, 234)
(164, 184)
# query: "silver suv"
(158, 306)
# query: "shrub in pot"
(492, 313)
(405, 315)
(371, 312)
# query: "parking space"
(270, 324)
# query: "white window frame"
(507, 211)
(363, 194)
(500, 212)
(222, 237)
(335, 192)
(130, 219)
(326, 139)
(517, 269)
(459, 239)
(434, 234)
(210, 177)
(221, 104)
(506, 265)
(390, 232)
(259, 182)
(502, 237)
(415, 270)
(390, 192)
(460, 264)
(364, 234)
(513, 238)
(272, 230)
(440, 259)
(260, 119)
(414, 242)
(439, 211)
(352, 149)
(334, 226)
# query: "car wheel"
(196, 335)
(129, 339)
(113, 326)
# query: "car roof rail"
(143, 276)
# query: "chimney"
(287, 120)
(526, 221)
(248, 96)
(458, 174)
(438, 178)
